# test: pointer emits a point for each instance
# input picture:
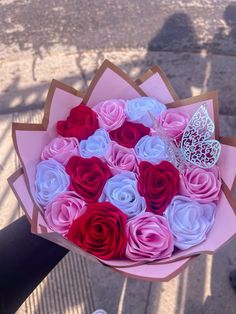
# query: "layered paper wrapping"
(111, 83)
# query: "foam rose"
(96, 145)
(51, 180)
(110, 113)
(158, 184)
(100, 231)
(129, 134)
(149, 238)
(88, 177)
(143, 110)
(63, 210)
(189, 221)
(121, 158)
(152, 149)
(61, 149)
(173, 121)
(202, 185)
(121, 190)
(81, 123)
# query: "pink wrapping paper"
(61, 99)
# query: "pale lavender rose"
(202, 185)
(149, 238)
(121, 190)
(61, 212)
(144, 110)
(111, 114)
(96, 145)
(152, 149)
(173, 121)
(189, 221)
(61, 149)
(51, 179)
(121, 158)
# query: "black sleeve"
(25, 259)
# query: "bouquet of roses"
(128, 179)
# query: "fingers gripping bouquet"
(138, 184)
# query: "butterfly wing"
(196, 144)
(203, 154)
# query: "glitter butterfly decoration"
(196, 144)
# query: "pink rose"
(202, 185)
(61, 149)
(173, 121)
(63, 210)
(149, 238)
(121, 158)
(111, 114)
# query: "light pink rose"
(202, 185)
(111, 114)
(173, 121)
(63, 210)
(61, 149)
(149, 238)
(121, 158)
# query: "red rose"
(158, 184)
(88, 177)
(81, 123)
(129, 134)
(100, 231)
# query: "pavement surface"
(194, 42)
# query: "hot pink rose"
(173, 121)
(149, 238)
(121, 158)
(61, 149)
(63, 210)
(202, 185)
(110, 113)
